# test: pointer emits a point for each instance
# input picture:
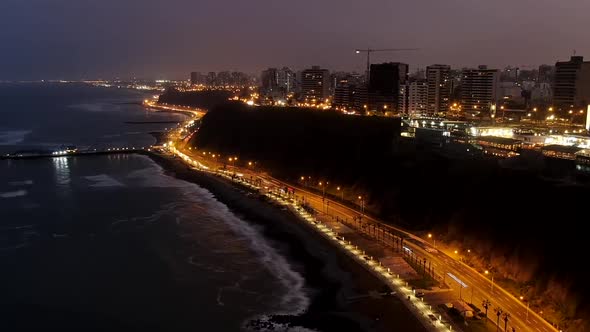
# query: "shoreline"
(332, 278)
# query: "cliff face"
(528, 229)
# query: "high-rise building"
(344, 96)
(572, 83)
(224, 78)
(315, 84)
(417, 97)
(211, 78)
(239, 79)
(286, 80)
(269, 80)
(385, 82)
(509, 74)
(546, 74)
(197, 78)
(479, 90)
(277, 83)
(541, 93)
(347, 92)
(439, 88)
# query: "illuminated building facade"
(572, 83)
(315, 84)
(385, 83)
(479, 90)
(439, 88)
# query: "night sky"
(72, 39)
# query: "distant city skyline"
(69, 39)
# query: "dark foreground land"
(331, 276)
(522, 223)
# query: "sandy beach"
(342, 292)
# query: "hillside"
(524, 227)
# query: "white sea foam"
(14, 228)
(103, 180)
(154, 177)
(12, 137)
(191, 261)
(236, 287)
(12, 194)
(17, 246)
(96, 107)
(269, 325)
(295, 300)
(21, 183)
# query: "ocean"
(113, 243)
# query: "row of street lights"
(339, 190)
(486, 303)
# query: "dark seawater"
(111, 243)
(51, 115)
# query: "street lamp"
(527, 307)
(492, 288)
(341, 193)
(499, 312)
(433, 240)
(506, 317)
(323, 189)
(362, 205)
(486, 304)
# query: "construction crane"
(370, 50)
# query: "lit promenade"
(469, 285)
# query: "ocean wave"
(191, 261)
(138, 222)
(266, 323)
(12, 194)
(16, 237)
(154, 177)
(295, 300)
(15, 228)
(15, 247)
(236, 287)
(103, 180)
(21, 183)
(111, 136)
(96, 107)
(12, 137)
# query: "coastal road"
(468, 284)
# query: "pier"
(75, 153)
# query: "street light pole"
(492, 291)
(492, 286)
(527, 307)
(362, 205)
